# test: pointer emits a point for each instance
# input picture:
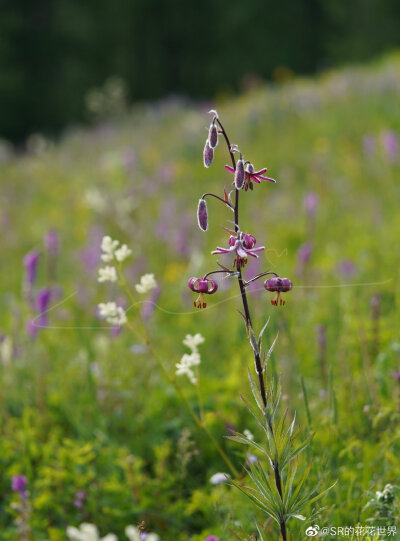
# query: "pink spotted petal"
(260, 172)
(229, 168)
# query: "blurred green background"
(52, 52)
(86, 409)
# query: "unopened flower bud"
(239, 174)
(213, 136)
(208, 155)
(202, 215)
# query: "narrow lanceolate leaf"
(208, 155)
(261, 333)
(202, 215)
(256, 393)
(271, 349)
(213, 136)
(239, 174)
(253, 340)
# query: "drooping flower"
(147, 283)
(250, 175)
(243, 245)
(107, 274)
(279, 285)
(30, 262)
(113, 314)
(202, 286)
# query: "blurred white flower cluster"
(188, 361)
(146, 284)
(113, 314)
(110, 252)
(89, 532)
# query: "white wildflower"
(219, 478)
(88, 532)
(133, 534)
(108, 247)
(193, 341)
(122, 253)
(112, 313)
(96, 200)
(147, 283)
(248, 434)
(184, 367)
(107, 274)
(188, 361)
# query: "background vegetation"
(53, 52)
(83, 409)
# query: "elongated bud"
(208, 155)
(239, 174)
(213, 136)
(202, 215)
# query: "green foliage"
(83, 409)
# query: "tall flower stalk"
(274, 491)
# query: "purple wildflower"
(202, 286)
(347, 268)
(390, 144)
(304, 253)
(51, 242)
(279, 285)
(211, 538)
(31, 328)
(30, 262)
(80, 498)
(243, 245)
(42, 302)
(396, 375)
(250, 176)
(311, 204)
(18, 484)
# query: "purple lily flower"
(30, 262)
(250, 175)
(279, 285)
(202, 286)
(243, 245)
(211, 538)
